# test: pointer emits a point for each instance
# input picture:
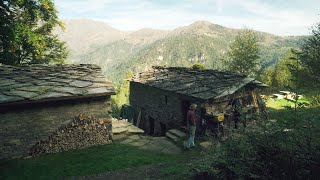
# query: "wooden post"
(254, 99)
(138, 120)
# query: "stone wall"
(163, 108)
(24, 126)
(83, 131)
(159, 108)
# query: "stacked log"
(83, 131)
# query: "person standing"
(191, 124)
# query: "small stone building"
(35, 100)
(161, 96)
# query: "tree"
(287, 70)
(26, 32)
(243, 55)
(122, 94)
(310, 55)
(267, 76)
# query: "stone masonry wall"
(161, 106)
(21, 128)
(153, 104)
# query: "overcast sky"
(280, 17)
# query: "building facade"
(161, 97)
(36, 100)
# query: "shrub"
(198, 66)
(268, 150)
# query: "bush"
(198, 66)
(268, 150)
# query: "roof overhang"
(235, 87)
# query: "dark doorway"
(163, 128)
(151, 126)
(184, 110)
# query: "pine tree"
(310, 55)
(244, 54)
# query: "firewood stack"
(83, 131)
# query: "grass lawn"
(282, 103)
(286, 116)
(89, 161)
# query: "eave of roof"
(202, 84)
(39, 83)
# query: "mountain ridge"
(200, 42)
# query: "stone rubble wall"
(23, 127)
(163, 106)
(83, 131)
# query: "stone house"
(35, 100)
(161, 96)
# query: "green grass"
(282, 103)
(283, 111)
(278, 103)
(82, 162)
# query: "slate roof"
(203, 84)
(33, 83)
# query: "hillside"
(201, 42)
(80, 34)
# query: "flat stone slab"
(23, 94)
(94, 85)
(99, 80)
(172, 136)
(14, 86)
(80, 84)
(49, 95)
(71, 90)
(61, 80)
(46, 78)
(118, 136)
(7, 82)
(87, 78)
(134, 137)
(37, 89)
(117, 124)
(150, 143)
(127, 141)
(139, 143)
(99, 90)
(52, 82)
(164, 142)
(206, 145)
(119, 130)
(5, 98)
(178, 133)
(134, 129)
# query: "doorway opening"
(151, 126)
(184, 110)
(163, 127)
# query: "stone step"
(120, 124)
(178, 133)
(135, 130)
(119, 130)
(171, 136)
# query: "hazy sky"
(281, 17)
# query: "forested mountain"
(201, 42)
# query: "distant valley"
(201, 42)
